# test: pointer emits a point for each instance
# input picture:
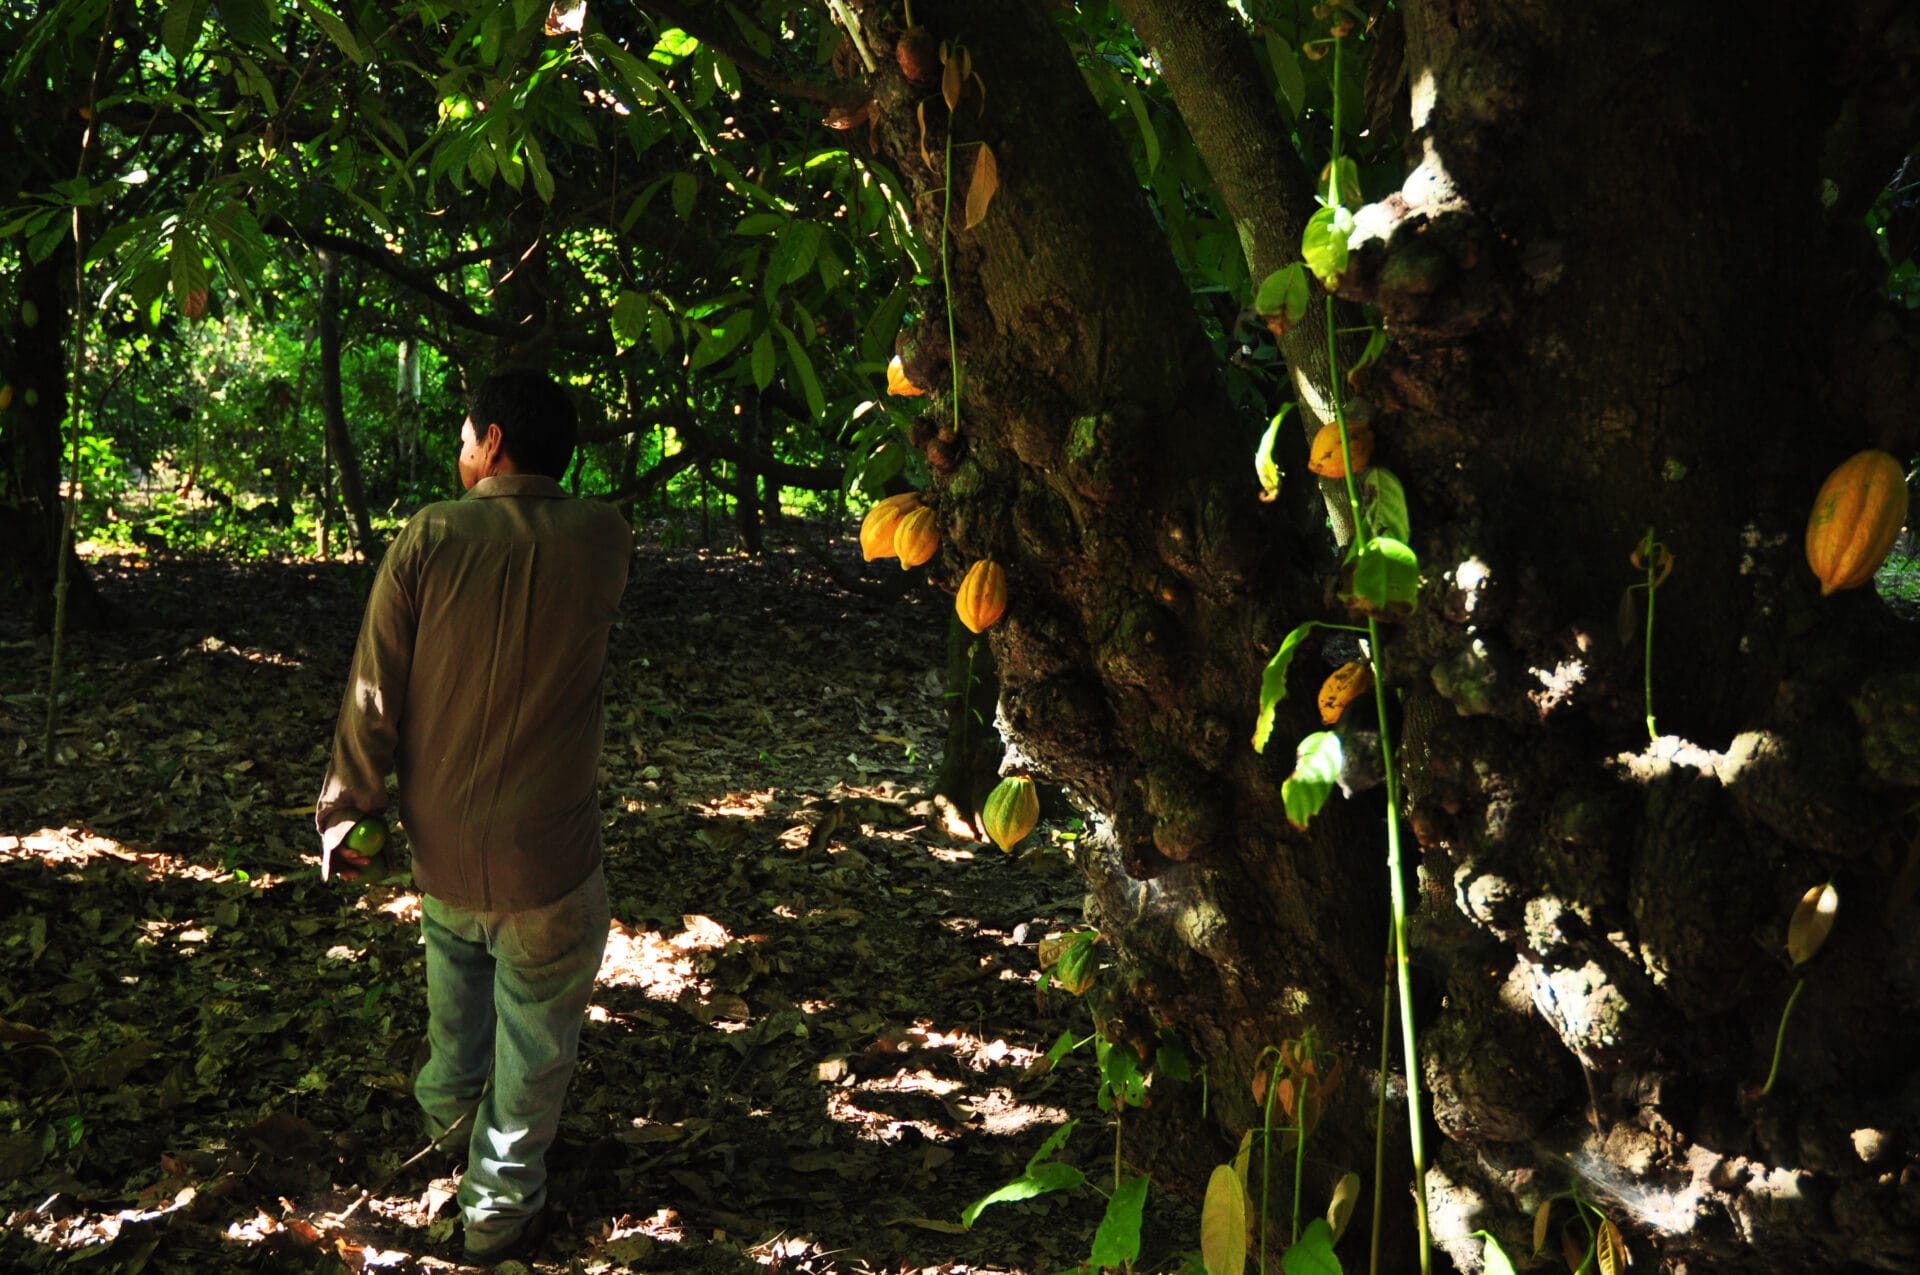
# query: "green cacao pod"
(1013, 807)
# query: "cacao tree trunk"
(1610, 312)
(333, 413)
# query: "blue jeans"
(506, 992)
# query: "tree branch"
(752, 65)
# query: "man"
(478, 679)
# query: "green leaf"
(1286, 73)
(1283, 294)
(876, 338)
(1323, 245)
(720, 340)
(248, 22)
(180, 28)
(660, 331)
(1223, 1223)
(1121, 1084)
(1273, 682)
(1386, 504)
(1316, 772)
(1170, 1059)
(803, 368)
(1149, 139)
(1347, 184)
(1493, 1258)
(1263, 462)
(1312, 1253)
(1117, 1242)
(629, 318)
(1042, 1176)
(1384, 576)
(337, 31)
(685, 190)
(760, 223)
(537, 161)
(763, 359)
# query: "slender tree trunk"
(333, 413)
(33, 365)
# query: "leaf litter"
(814, 1037)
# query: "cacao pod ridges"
(917, 538)
(982, 598)
(1856, 517)
(1012, 810)
(878, 527)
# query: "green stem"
(946, 276)
(1299, 1152)
(1396, 883)
(1380, 1107)
(1653, 591)
(1266, 1162)
(1780, 1037)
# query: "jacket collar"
(538, 485)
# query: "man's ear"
(494, 442)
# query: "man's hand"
(351, 849)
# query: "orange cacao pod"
(897, 382)
(1343, 686)
(915, 537)
(1013, 807)
(877, 528)
(1324, 458)
(983, 595)
(1858, 513)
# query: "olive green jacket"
(477, 679)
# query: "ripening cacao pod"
(915, 538)
(877, 528)
(1324, 458)
(1013, 807)
(1858, 513)
(897, 382)
(983, 595)
(1343, 686)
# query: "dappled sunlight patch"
(645, 959)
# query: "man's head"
(517, 423)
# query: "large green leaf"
(1384, 578)
(1323, 245)
(803, 368)
(1117, 1242)
(337, 30)
(180, 28)
(248, 21)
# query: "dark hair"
(535, 416)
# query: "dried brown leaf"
(980, 191)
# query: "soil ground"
(797, 1058)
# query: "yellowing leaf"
(920, 113)
(1541, 1217)
(1614, 1258)
(1811, 922)
(1340, 1207)
(1223, 1223)
(953, 78)
(986, 180)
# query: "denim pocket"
(544, 935)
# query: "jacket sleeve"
(367, 733)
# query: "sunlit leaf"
(337, 31)
(1282, 298)
(1039, 1179)
(1384, 577)
(1612, 1249)
(1312, 1253)
(1343, 686)
(1273, 682)
(980, 190)
(1149, 138)
(1386, 505)
(1323, 245)
(1316, 773)
(1812, 922)
(1117, 1242)
(1493, 1258)
(629, 318)
(1263, 462)
(1223, 1223)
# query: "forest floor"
(807, 1060)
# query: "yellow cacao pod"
(1324, 458)
(1013, 807)
(983, 595)
(897, 382)
(1856, 517)
(877, 528)
(915, 538)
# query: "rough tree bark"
(1611, 310)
